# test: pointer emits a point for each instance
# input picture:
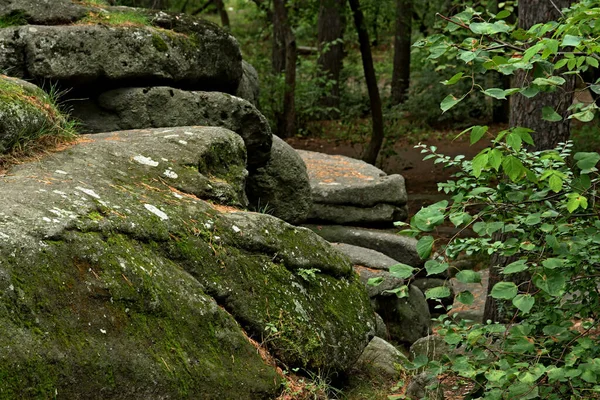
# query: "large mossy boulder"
(155, 107)
(118, 280)
(26, 113)
(93, 53)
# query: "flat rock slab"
(96, 56)
(400, 248)
(43, 12)
(379, 214)
(365, 257)
(347, 181)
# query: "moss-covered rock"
(118, 281)
(26, 113)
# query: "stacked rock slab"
(351, 192)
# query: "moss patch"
(118, 18)
(12, 19)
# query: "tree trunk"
(279, 36)
(287, 121)
(376, 141)
(331, 26)
(528, 113)
(402, 44)
(222, 13)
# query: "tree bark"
(279, 36)
(402, 44)
(222, 13)
(376, 141)
(287, 120)
(527, 113)
(331, 26)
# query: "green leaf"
(460, 218)
(555, 183)
(570, 40)
(434, 267)
(514, 140)
(496, 93)
(465, 297)
(429, 217)
(586, 160)
(477, 133)
(449, 102)
(514, 168)
(400, 292)
(424, 247)
(503, 14)
(495, 159)
(401, 271)
(479, 163)
(576, 201)
(514, 267)
(555, 374)
(583, 116)
(468, 276)
(524, 302)
(552, 263)
(530, 92)
(533, 219)
(548, 114)
(592, 61)
(455, 78)
(375, 281)
(437, 292)
(487, 28)
(550, 81)
(504, 290)
(552, 282)
(589, 376)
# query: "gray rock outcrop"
(282, 185)
(155, 107)
(118, 278)
(381, 358)
(397, 247)
(351, 192)
(249, 88)
(42, 12)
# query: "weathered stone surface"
(112, 271)
(432, 346)
(97, 55)
(342, 214)
(154, 107)
(400, 248)
(43, 12)
(407, 319)
(26, 113)
(281, 186)
(249, 88)
(381, 358)
(381, 329)
(346, 181)
(424, 386)
(365, 257)
(389, 282)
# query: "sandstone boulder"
(119, 279)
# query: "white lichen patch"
(169, 173)
(89, 192)
(171, 136)
(183, 142)
(154, 210)
(236, 229)
(145, 160)
(167, 131)
(59, 192)
(188, 133)
(177, 195)
(4, 236)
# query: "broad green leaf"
(514, 140)
(437, 292)
(533, 219)
(530, 92)
(592, 61)
(504, 290)
(477, 133)
(495, 159)
(454, 79)
(595, 89)
(503, 14)
(589, 376)
(576, 201)
(548, 114)
(583, 116)
(552, 263)
(465, 297)
(495, 375)
(570, 40)
(429, 217)
(424, 247)
(434, 267)
(586, 160)
(460, 218)
(452, 338)
(449, 102)
(524, 133)
(400, 292)
(375, 281)
(524, 302)
(401, 271)
(514, 267)
(533, 374)
(550, 81)
(496, 93)
(552, 282)
(514, 168)
(555, 374)
(555, 183)
(468, 276)
(487, 28)
(479, 163)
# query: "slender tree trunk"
(222, 13)
(402, 44)
(287, 121)
(331, 26)
(279, 36)
(528, 113)
(376, 141)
